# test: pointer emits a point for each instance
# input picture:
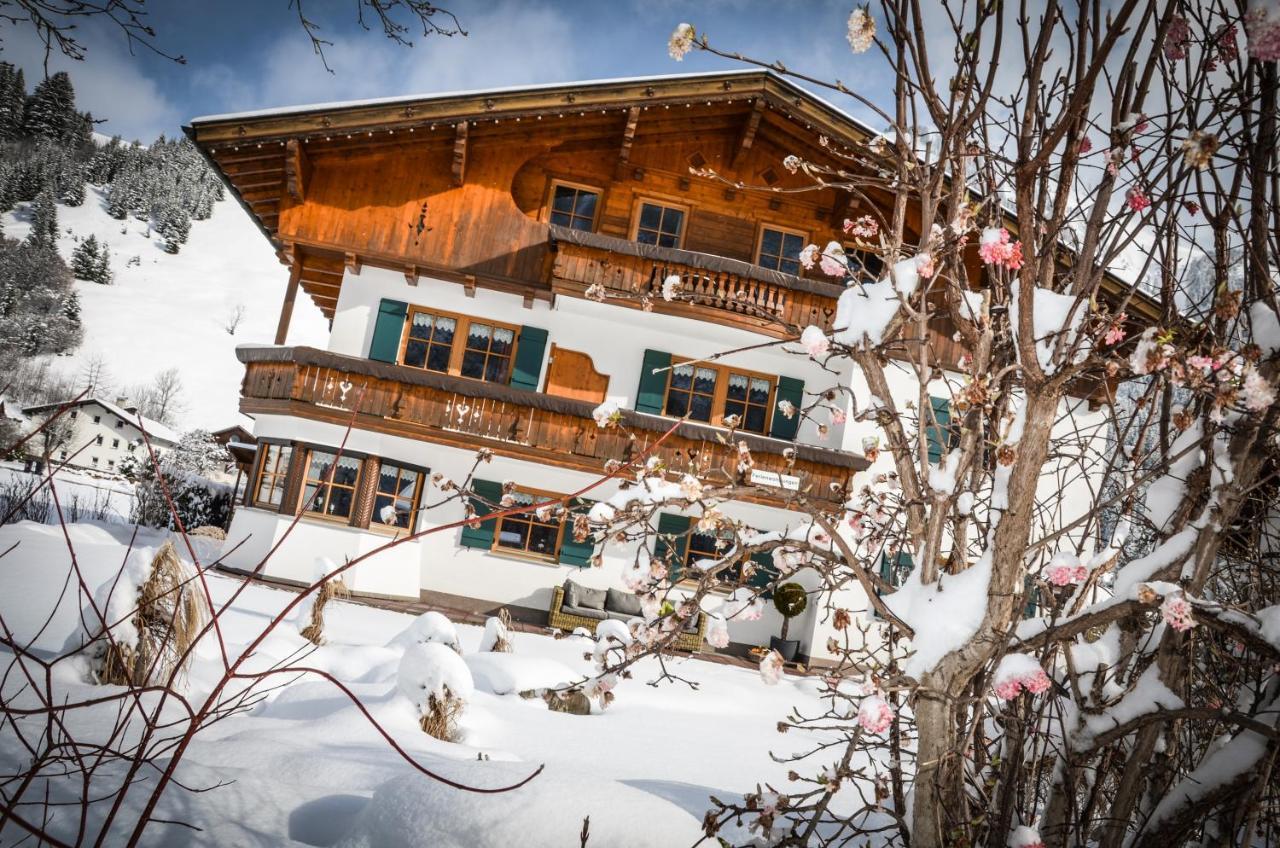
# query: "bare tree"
(235, 315)
(166, 397)
(95, 375)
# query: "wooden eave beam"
(286, 308)
(748, 135)
(297, 170)
(460, 153)
(628, 138)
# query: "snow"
(178, 304)
(1055, 317)
(494, 631)
(1146, 696)
(432, 670)
(1270, 619)
(944, 615)
(305, 766)
(1141, 569)
(942, 478)
(1166, 493)
(427, 628)
(864, 312)
(1266, 327)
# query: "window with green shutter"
(526, 371)
(894, 571)
(790, 390)
(652, 392)
(387, 329)
(672, 544)
(1031, 598)
(765, 573)
(480, 534)
(939, 433)
(573, 552)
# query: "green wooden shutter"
(789, 389)
(651, 397)
(675, 547)
(939, 436)
(385, 346)
(892, 574)
(1031, 597)
(571, 552)
(526, 371)
(765, 574)
(481, 535)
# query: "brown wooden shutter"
(293, 479)
(366, 489)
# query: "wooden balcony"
(713, 288)
(532, 426)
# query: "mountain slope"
(170, 310)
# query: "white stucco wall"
(116, 435)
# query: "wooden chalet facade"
(492, 266)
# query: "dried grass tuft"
(210, 532)
(169, 616)
(314, 631)
(441, 718)
(502, 644)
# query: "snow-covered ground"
(93, 495)
(306, 768)
(170, 310)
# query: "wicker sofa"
(570, 616)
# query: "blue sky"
(251, 54)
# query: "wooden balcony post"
(290, 295)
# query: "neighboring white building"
(104, 434)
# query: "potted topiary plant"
(790, 600)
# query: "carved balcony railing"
(526, 425)
(711, 287)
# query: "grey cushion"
(570, 594)
(583, 612)
(620, 616)
(591, 598)
(623, 602)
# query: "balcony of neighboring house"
(728, 291)
(515, 422)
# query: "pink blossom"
(1142, 124)
(1085, 145)
(864, 227)
(809, 256)
(874, 714)
(837, 416)
(1262, 32)
(1258, 393)
(833, 262)
(717, 633)
(1192, 207)
(1175, 39)
(815, 341)
(996, 248)
(771, 668)
(1136, 199)
(1226, 42)
(1016, 673)
(1115, 333)
(1065, 574)
(1176, 611)
(1025, 837)
(924, 265)
(1204, 363)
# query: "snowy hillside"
(170, 310)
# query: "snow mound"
(494, 631)
(430, 669)
(508, 674)
(430, 627)
(414, 810)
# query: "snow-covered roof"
(154, 429)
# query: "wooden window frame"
(461, 332)
(805, 238)
(301, 507)
(721, 587)
(282, 474)
(555, 182)
(373, 468)
(851, 249)
(525, 554)
(722, 391)
(638, 205)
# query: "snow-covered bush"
(153, 613)
(497, 633)
(438, 683)
(430, 628)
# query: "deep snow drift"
(306, 767)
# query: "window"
(536, 533)
(660, 225)
(329, 488)
(99, 440)
(486, 353)
(133, 446)
(863, 263)
(272, 467)
(119, 425)
(62, 455)
(430, 342)
(574, 206)
(111, 463)
(74, 413)
(97, 419)
(115, 443)
(780, 250)
(713, 547)
(712, 393)
(747, 397)
(95, 460)
(691, 391)
(395, 503)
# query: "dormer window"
(779, 250)
(485, 353)
(659, 224)
(574, 206)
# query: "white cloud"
(108, 82)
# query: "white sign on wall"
(776, 480)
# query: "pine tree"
(175, 226)
(102, 273)
(51, 111)
(13, 100)
(71, 307)
(44, 221)
(85, 258)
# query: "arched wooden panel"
(573, 374)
